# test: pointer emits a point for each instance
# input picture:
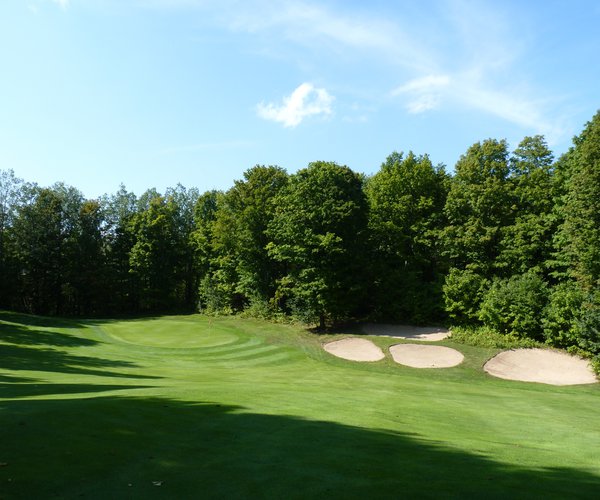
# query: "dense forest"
(510, 240)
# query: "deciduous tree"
(318, 232)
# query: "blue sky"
(155, 92)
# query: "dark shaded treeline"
(511, 240)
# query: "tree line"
(510, 240)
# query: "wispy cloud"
(468, 91)
(484, 74)
(62, 3)
(423, 93)
(306, 100)
(481, 39)
(477, 63)
(324, 29)
(518, 107)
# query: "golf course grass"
(201, 407)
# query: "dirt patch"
(541, 365)
(424, 333)
(426, 356)
(355, 350)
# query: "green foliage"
(10, 188)
(325, 244)
(514, 306)
(525, 244)
(463, 293)
(231, 240)
(483, 336)
(578, 240)
(240, 231)
(561, 313)
(317, 234)
(406, 198)
(214, 295)
(41, 230)
(121, 292)
(201, 236)
(595, 362)
(588, 325)
(152, 257)
(478, 206)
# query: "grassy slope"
(238, 408)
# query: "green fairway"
(197, 407)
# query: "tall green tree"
(86, 262)
(406, 199)
(153, 257)
(478, 207)
(81, 253)
(39, 236)
(184, 202)
(578, 240)
(118, 240)
(10, 187)
(205, 213)
(318, 232)
(573, 312)
(526, 243)
(247, 209)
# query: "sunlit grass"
(230, 407)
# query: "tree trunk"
(321, 321)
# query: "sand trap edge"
(542, 366)
(406, 332)
(426, 356)
(355, 349)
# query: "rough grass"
(188, 407)
(486, 337)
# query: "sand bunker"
(425, 356)
(426, 333)
(541, 365)
(355, 350)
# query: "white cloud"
(306, 100)
(423, 84)
(516, 107)
(468, 90)
(477, 64)
(423, 93)
(324, 29)
(62, 3)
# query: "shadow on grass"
(40, 388)
(111, 447)
(23, 335)
(23, 347)
(14, 380)
(13, 357)
(40, 321)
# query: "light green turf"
(230, 407)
